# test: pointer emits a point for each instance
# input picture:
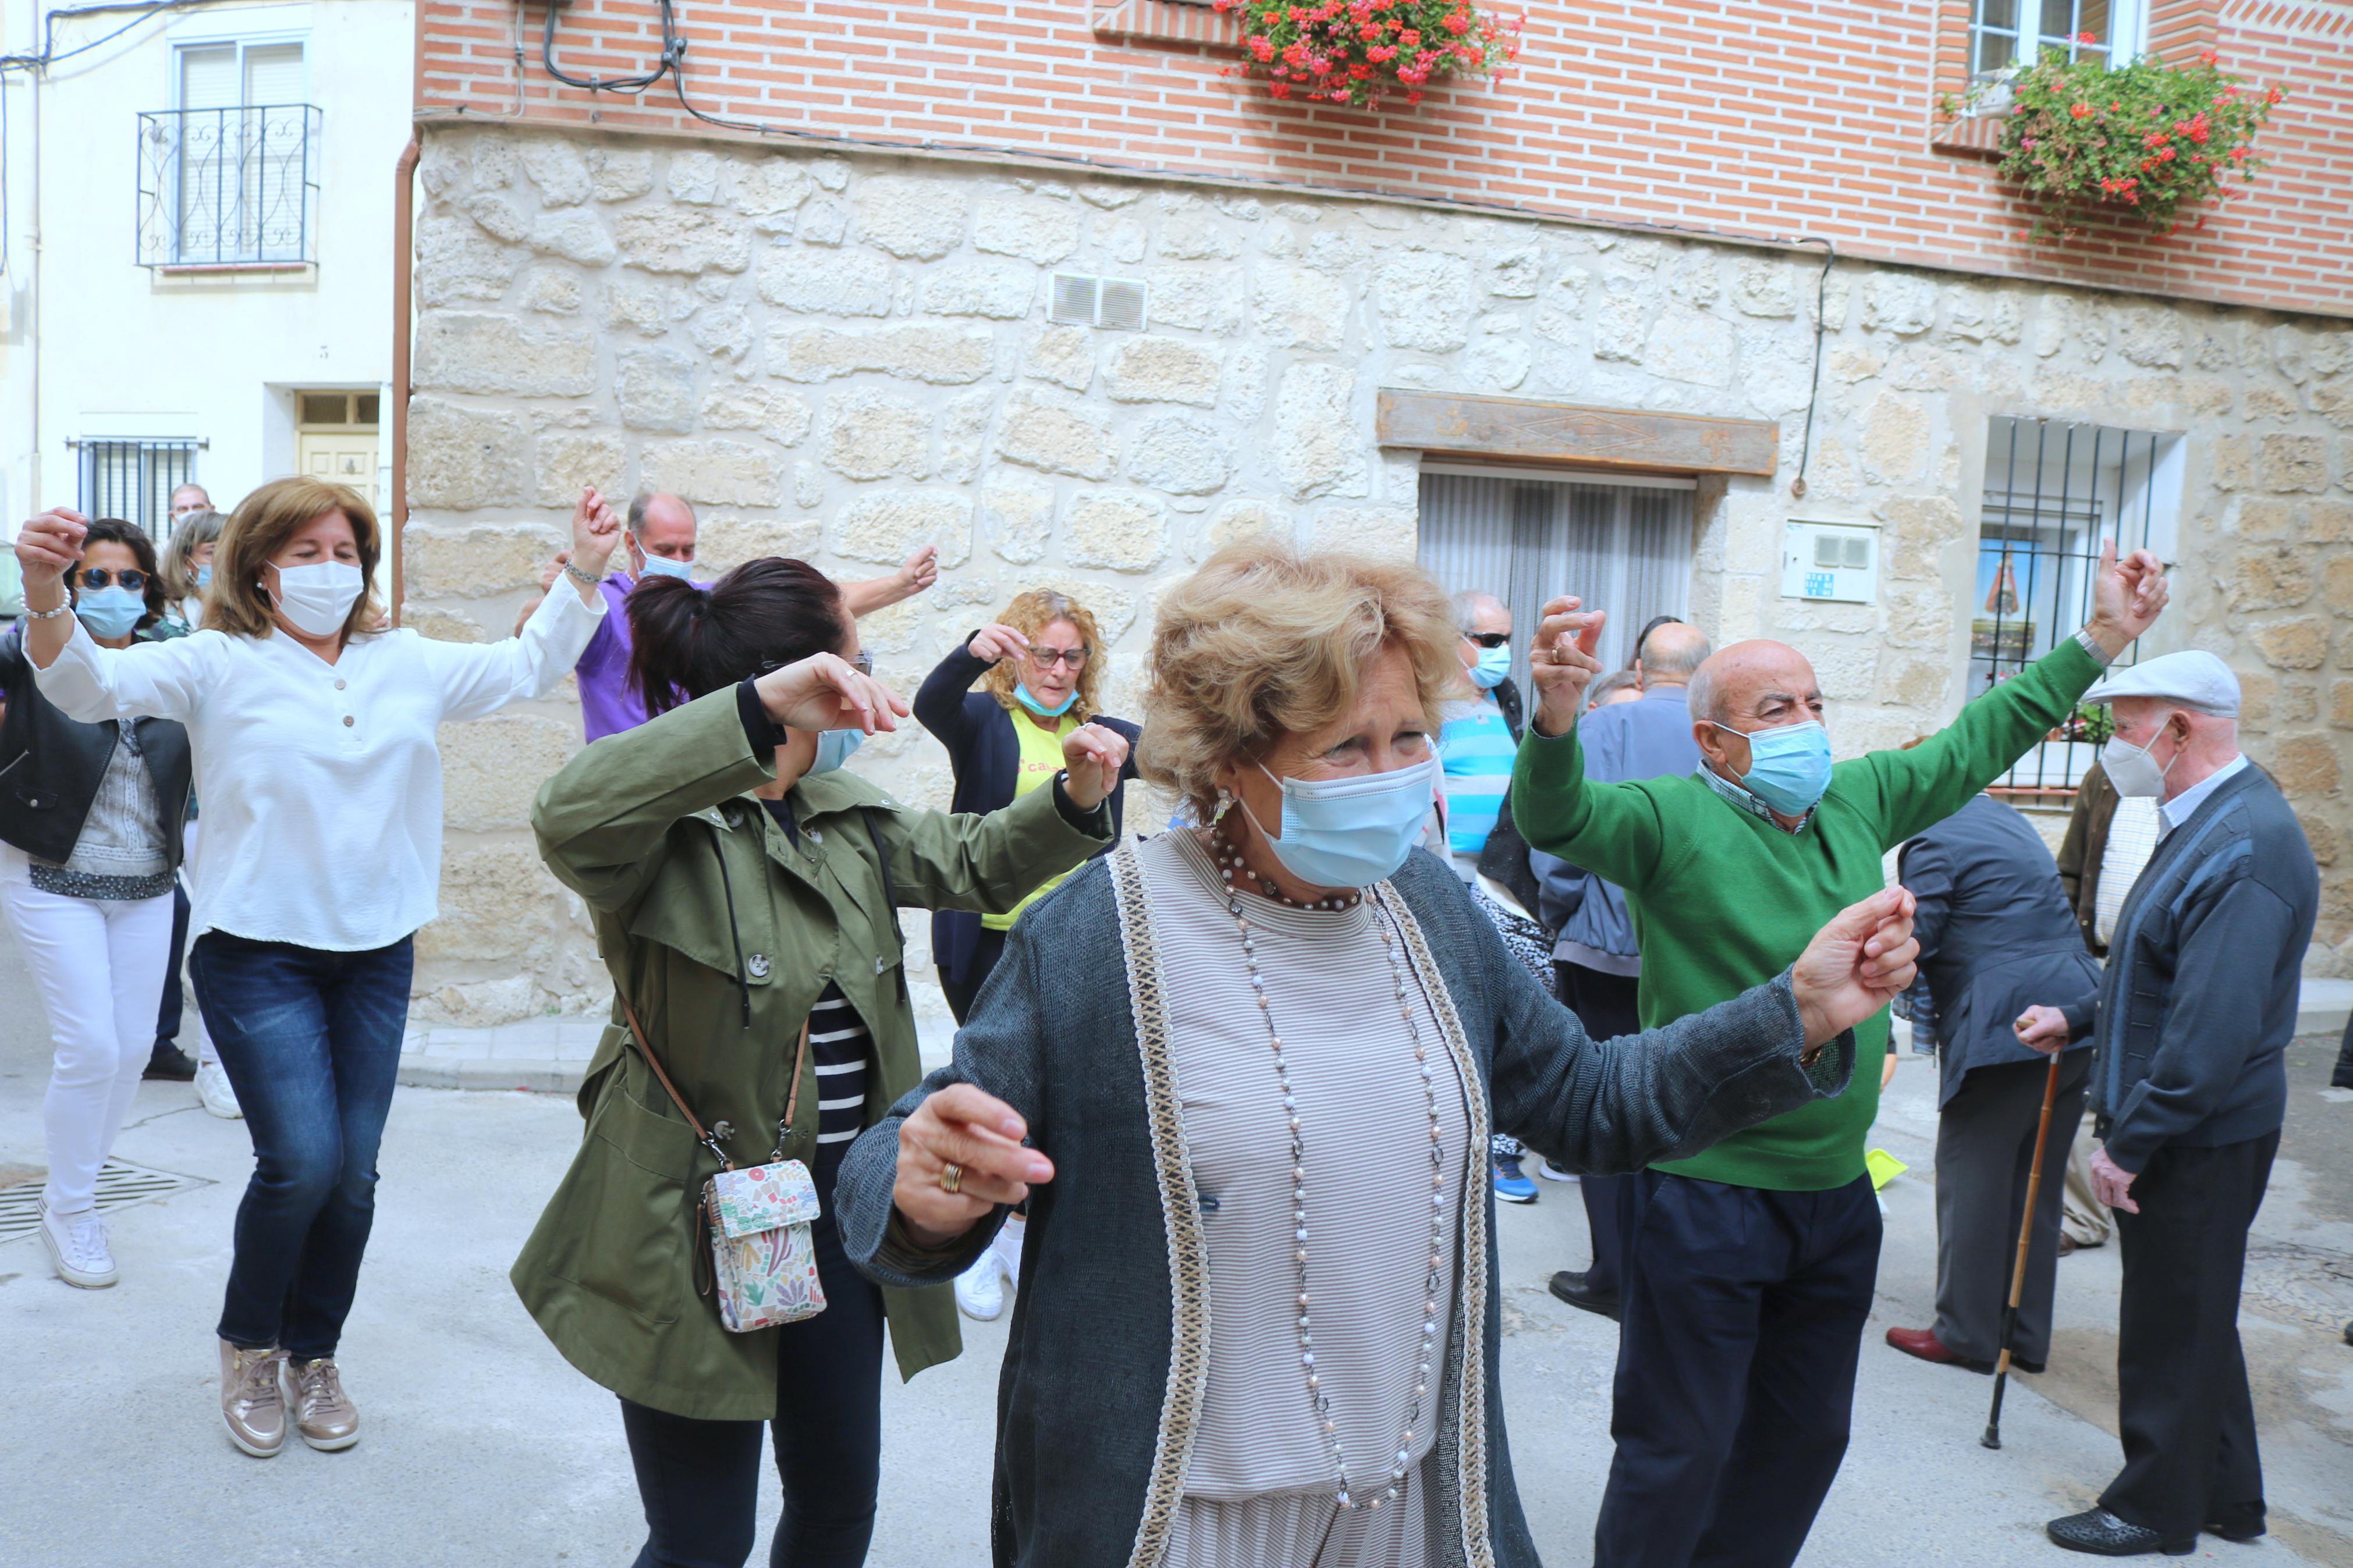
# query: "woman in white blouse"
(314, 741)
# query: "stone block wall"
(839, 358)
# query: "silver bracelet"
(34, 615)
(580, 576)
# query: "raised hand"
(47, 549)
(1562, 663)
(1855, 965)
(960, 1155)
(1093, 755)
(995, 642)
(826, 692)
(919, 570)
(2128, 596)
(551, 571)
(595, 530)
(2042, 1028)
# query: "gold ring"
(951, 1177)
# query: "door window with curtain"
(1622, 547)
(241, 168)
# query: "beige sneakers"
(252, 1403)
(323, 1412)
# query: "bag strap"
(800, 1060)
(638, 1032)
(882, 857)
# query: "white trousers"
(99, 964)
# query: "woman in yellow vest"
(1039, 669)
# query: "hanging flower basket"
(2147, 140)
(1361, 51)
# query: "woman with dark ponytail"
(745, 891)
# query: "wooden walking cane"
(1992, 1438)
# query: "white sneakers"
(77, 1250)
(213, 1090)
(980, 1290)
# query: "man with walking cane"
(2192, 1018)
(1996, 935)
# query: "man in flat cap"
(2189, 1085)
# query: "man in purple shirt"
(660, 542)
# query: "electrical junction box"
(1835, 562)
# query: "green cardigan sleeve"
(1612, 830)
(1921, 787)
(985, 864)
(601, 820)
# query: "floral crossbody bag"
(763, 1261)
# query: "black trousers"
(167, 1017)
(1742, 1320)
(2187, 1420)
(2343, 1076)
(699, 1480)
(1604, 1003)
(1985, 1145)
(987, 949)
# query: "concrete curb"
(531, 1077)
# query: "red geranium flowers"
(1359, 51)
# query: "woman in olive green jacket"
(739, 887)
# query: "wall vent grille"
(1116, 303)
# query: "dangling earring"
(1225, 805)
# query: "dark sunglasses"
(1488, 640)
(100, 577)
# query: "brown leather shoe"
(1925, 1344)
(251, 1402)
(323, 1414)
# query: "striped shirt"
(838, 1044)
(1365, 1126)
(1475, 747)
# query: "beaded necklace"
(1229, 865)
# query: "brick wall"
(1730, 116)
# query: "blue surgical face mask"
(110, 612)
(1021, 695)
(663, 566)
(833, 748)
(1789, 767)
(1494, 663)
(203, 576)
(1351, 832)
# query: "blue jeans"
(311, 1041)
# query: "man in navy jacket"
(2190, 1087)
(1996, 933)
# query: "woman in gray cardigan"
(1240, 1072)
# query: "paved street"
(484, 1447)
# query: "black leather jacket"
(50, 765)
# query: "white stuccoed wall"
(836, 358)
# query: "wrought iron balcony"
(229, 187)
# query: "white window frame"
(2127, 30)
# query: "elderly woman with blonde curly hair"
(1242, 1074)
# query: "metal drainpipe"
(403, 220)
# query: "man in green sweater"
(1749, 1267)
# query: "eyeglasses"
(1047, 658)
(1488, 640)
(100, 577)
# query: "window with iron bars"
(2056, 493)
(134, 479)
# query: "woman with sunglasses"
(89, 852)
(1039, 668)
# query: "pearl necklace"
(1230, 864)
(1319, 1405)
